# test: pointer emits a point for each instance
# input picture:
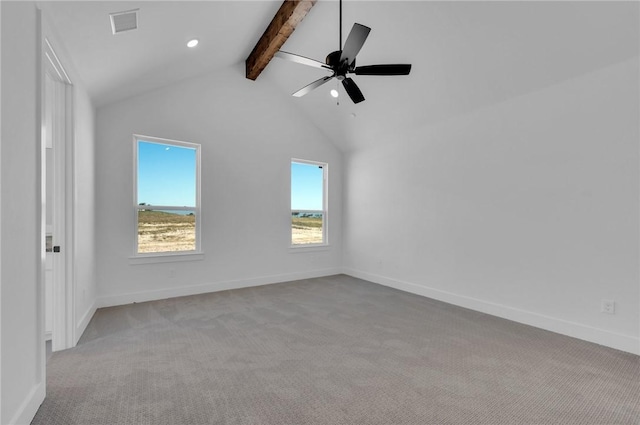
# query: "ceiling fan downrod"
(340, 27)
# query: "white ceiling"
(114, 67)
(465, 55)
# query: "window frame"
(325, 205)
(150, 257)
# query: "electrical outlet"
(608, 307)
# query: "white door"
(55, 138)
(48, 188)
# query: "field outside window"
(166, 203)
(308, 203)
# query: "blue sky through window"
(306, 186)
(166, 174)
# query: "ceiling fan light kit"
(343, 62)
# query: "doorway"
(56, 137)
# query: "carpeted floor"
(335, 350)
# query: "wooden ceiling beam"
(290, 14)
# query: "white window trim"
(169, 256)
(325, 211)
(179, 256)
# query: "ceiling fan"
(343, 62)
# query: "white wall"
(1, 222)
(249, 132)
(527, 209)
(84, 208)
(22, 335)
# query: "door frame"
(63, 277)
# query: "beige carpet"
(335, 350)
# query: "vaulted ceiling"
(465, 55)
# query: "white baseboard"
(29, 407)
(621, 342)
(160, 294)
(83, 323)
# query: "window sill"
(166, 258)
(296, 249)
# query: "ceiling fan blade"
(352, 90)
(391, 69)
(301, 59)
(309, 87)
(355, 40)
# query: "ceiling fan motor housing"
(340, 69)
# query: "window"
(166, 196)
(308, 203)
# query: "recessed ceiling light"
(334, 93)
(192, 43)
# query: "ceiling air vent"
(124, 21)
